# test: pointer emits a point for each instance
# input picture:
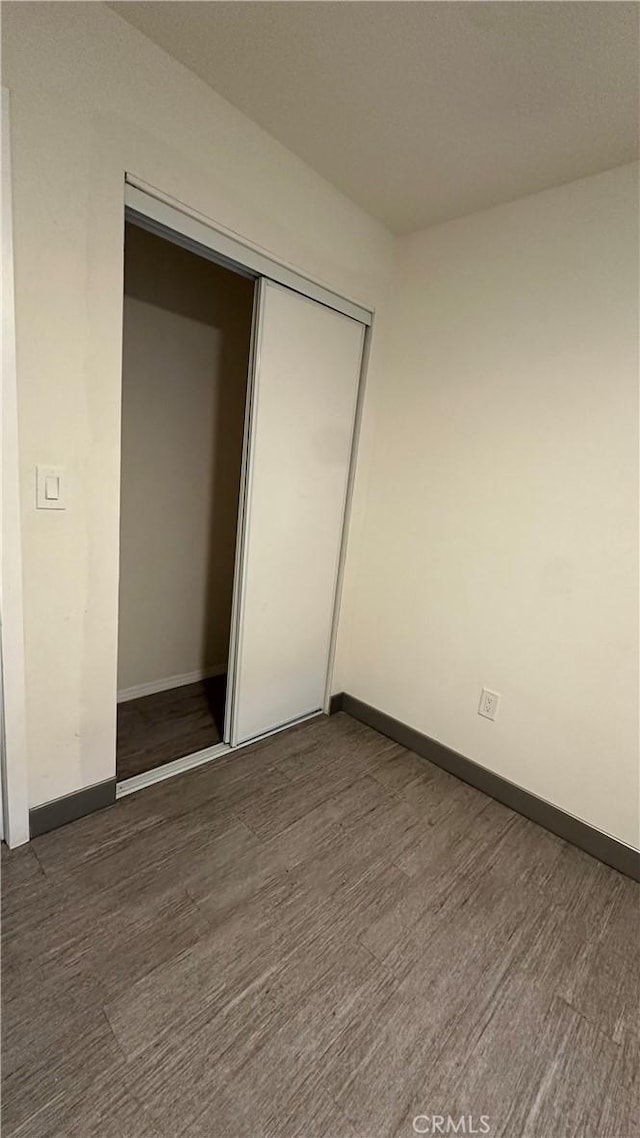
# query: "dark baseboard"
(62, 810)
(622, 857)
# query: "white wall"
(499, 546)
(91, 99)
(494, 528)
(187, 329)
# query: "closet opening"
(186, 347)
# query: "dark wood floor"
(322, 936)
(156, 729)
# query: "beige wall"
(494, 530)
(500, 541)
(91, 99)
(187, 329)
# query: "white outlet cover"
(489, 702)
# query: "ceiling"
(421, 112)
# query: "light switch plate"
(51, 490)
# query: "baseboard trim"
(73, 806)
(593, 841)
(140, 690)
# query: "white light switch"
(50, 488)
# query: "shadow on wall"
(191, 322)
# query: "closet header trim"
(174, 222)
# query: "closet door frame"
(150, 209)
(239, 571)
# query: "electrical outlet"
(489, 701)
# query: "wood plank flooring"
(321, 936)
(167, 725)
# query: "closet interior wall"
(187, 327)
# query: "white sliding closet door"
(307, 367)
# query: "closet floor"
(159, 728)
